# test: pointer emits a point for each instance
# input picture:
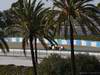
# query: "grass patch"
(15, 70)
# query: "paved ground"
(16, 56)
(15, 60)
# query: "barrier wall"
(62, 42)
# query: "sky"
(6, 4)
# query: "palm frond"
(5, 44)
(2, 48)
(43, 43)
(24, 44)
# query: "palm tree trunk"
(73, 65)
(36, 51)
(32, 55)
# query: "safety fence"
(60, 42)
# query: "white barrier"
(62, 42)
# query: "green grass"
(15, 70)
(82, 37)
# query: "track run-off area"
(17, 57)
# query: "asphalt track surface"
(16, 56)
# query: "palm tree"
(3, 45)
(30, 22)
(98, 5)
(73, 14)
